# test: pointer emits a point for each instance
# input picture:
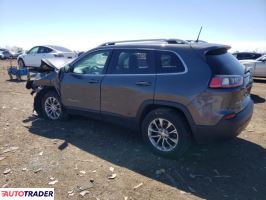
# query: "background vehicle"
(247, 55)
(15, 54)
(171, 90)
(34, 56)
(5, 54)
(257, 67)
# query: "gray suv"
(172, 91)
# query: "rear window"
(225, 64)
(168, 62)
(62, 49)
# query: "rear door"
(80, 88)
(130, 82)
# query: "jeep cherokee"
(172, 91)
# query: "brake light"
(226, 81)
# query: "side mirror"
(66, 68)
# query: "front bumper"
(225, 129)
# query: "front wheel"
(166, 132)
(21, 63)
(52, 107)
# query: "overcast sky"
(83, 24)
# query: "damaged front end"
(45, 78)
(47, 74)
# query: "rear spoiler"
(204, 49)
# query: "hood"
(55, 63)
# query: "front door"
(31, 58)
(80, 88)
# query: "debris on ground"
(13, 149)
(111, 169)
(53, 182)
(137, 186)
(82, 172)
(7, 171)
(2, 158)
(37, 170)
(112, 176)
(83, 193)
(71, 193)
(5, 185)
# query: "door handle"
(93, 81)
(143, 83)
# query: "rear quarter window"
(168, 62)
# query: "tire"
(52, 108)
(21, 63)
(174, 134)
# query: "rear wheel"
(166, 132)
(52, 107)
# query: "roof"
(164, 43)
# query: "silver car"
(257, 67)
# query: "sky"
(84, 24)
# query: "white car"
(257, 67)
(33, 57)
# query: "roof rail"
(169, 41)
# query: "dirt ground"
(110, 162)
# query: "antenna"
(199, 34)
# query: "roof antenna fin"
(197, 40)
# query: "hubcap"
(52, 108)
(163, 134)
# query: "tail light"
(58, 55)
(226, 81)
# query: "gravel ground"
(110, 162)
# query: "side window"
(131, 62)
(47, 50)
(92, 63)
(44, 50)
(168, 62)
(33, 50)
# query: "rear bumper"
(225, 129)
